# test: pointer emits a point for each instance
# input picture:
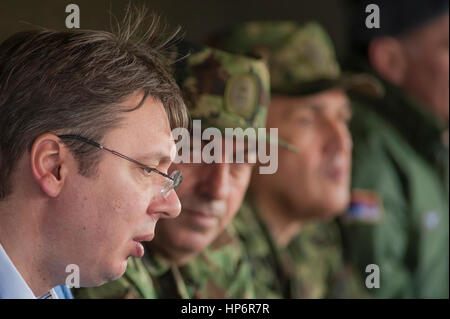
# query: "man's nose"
(216, 181)
(169, 207)
(338, 138)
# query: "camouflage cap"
(224, 90)
(301, 57)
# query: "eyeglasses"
(173, 180)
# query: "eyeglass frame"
(146, 167)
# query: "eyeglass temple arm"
(91, 142)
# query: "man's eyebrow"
(159, 157)
(319, 107)
(313, 106)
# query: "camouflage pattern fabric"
(301, 57)
(134, 284)
(224, 90)
(221, 271)
(311, 266)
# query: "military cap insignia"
(241, 95)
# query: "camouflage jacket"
(311, 266)
(221, 271)
(134, 284)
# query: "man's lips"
(336, 173)
(138, 251)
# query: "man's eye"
(304, 120)
(147, 171)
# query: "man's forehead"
(322, 101)
(159, 149)
(148, 111)
(147, 131)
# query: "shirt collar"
(12, 285)
(51, 294)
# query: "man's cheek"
(234, 204)
(227, 220)
(130, 203)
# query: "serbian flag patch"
(365, 207)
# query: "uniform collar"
(12, 285)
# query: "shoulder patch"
(365, 207)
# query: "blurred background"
(197, 17)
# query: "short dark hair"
(75, 82)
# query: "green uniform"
(221, 271)
(310, 266)
(135, 283)
(302, 62)
(402, 226)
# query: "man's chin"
(335, 209)
(336, 200)
(324, 211)
(114, 273)
(122, 269)
(197, 243)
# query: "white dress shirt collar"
(12, 285)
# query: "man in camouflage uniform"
(294, 249)
(398, 219)
(198, 256)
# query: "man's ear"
(49, 163)
(387, 56)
